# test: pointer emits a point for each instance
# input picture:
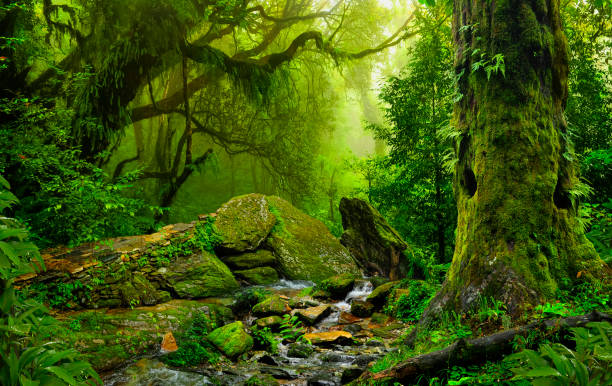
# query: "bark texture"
(518, 237)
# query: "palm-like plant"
(24, 360)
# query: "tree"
(418, 105)
(518, 237)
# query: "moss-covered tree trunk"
(518, 238)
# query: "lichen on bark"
(518, 237)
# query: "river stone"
(199, 275)
(376, 246)
(312, 315)
(350, 374)
(346, 318)
(248, 260)
(271, 322)
(258, 276)
(379, 318)
(338, 286)
(304, 247)
(361, 308)
(378, 297)
(299, 350)
(243, 223)
(261, 380)
(231, 339)
(327, 338)
(271, 305)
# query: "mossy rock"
(243, 223)
(199, 275)
(304, 247)
(258, 276)
(231, 339)
(379, 318)
(379, 296)
(375, 244)
(299, 350)
(361, 308)
(261, 380)
(248, 260)
(338, 286)
(271, 305)
(272, 322)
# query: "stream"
(324, 367)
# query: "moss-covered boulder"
(379, 296)
(376, 246)
(299, 350)
(248, 260)
(272, 322)
(243, 223)
(338, 286)
(258, 276)
(304, 247)
(231, 339)
(361, 308)
(197, 276)
(271, 305)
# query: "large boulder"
(258, 276)
(376, 246)
(243, 223)
(248, 260)
(197, 276)
(304, 247)
(272, 305)
(231, 339)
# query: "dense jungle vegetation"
(430, 183)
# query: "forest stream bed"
(320, 364)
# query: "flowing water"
(323, 367)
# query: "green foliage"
(412, 186)
(58, 294)
(247, 298)
(264, 338)
(556, 364)
(408, 308)
(597, 220)
(194, 349)
(291, 329)
(65, 199)
(25, 360)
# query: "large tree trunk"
(518, 238)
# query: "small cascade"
(291, 284)
(360, 291)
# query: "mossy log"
(518, 236)
(474, 351)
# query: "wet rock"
(330, 337)
(379, 318)
(199, 275)
(312, 315)
(350, 374)
(231, 339)
(338, 286)
(243, 223)
(248, 260)
(363, 361)
(267, 360)
(277, 372)
(271, 322)
(304, 247)
(299, 350)
(321, 380)
(272, 305)
(347, 318)
(169, 343)
(379, 296)
(258, 276)
(361, 308)
(375, 343)
(352, 328)
(261, 380)
(377, 247)
(303, 302)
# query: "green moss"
(231, 339)
(258, 276)
(271, 305)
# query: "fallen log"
(473, 351)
